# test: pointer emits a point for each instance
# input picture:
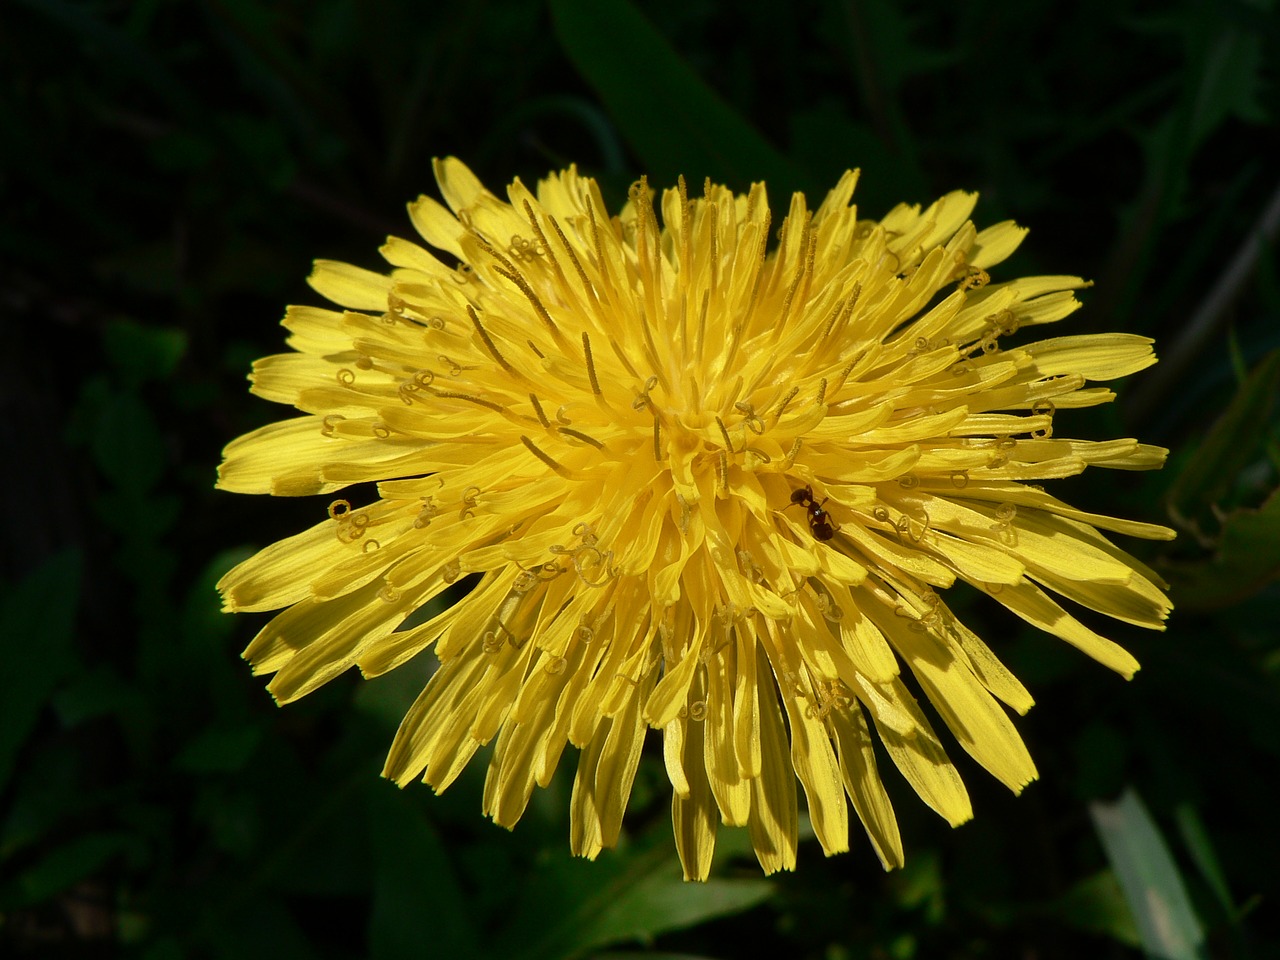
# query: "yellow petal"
(1099, 356)
(968, 710)
(774, 821)
(996, 244)
(862, 783)
(1031, 604)
(693, 815)
(921, 759)
(350, 286)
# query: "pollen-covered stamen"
(822, 392)
(841, 312)
(622, 357)
(554, 464)
(542, 243)
(713, 256)
(647, 245)
(757, 278)
(537, 409)
(724, 433)
(804, 273)
(790, 459)
(457, 395)
(701, 335)
(488, 341)
(579, 435)
(587, 286)
(516, 277)
(843, 378)
(782, 406)
(591, 365)
(686, 233)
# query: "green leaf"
(1102, 756)
(1196, 838)
(661, 901)
(1097, 904)
(630, 893)
(674, 122)
(127, 444)
(1152, 884)
(829, 142)
(1231, 444)
(585, 113)
(119, 52)
(1248, 558)
(62, 868)
(387, 698)
(417, 898)
(1231, 79)
(260, 928)
(95, 693)
(36, 621)
(919, 885)
(222, 748)
(143, 353)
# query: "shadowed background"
(168, 170)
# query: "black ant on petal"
(819, 519)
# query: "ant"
(819, 519)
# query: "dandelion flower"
(706, 483)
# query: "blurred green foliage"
(169, 170)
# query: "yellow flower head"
(709, 484)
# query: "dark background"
(169, 169)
